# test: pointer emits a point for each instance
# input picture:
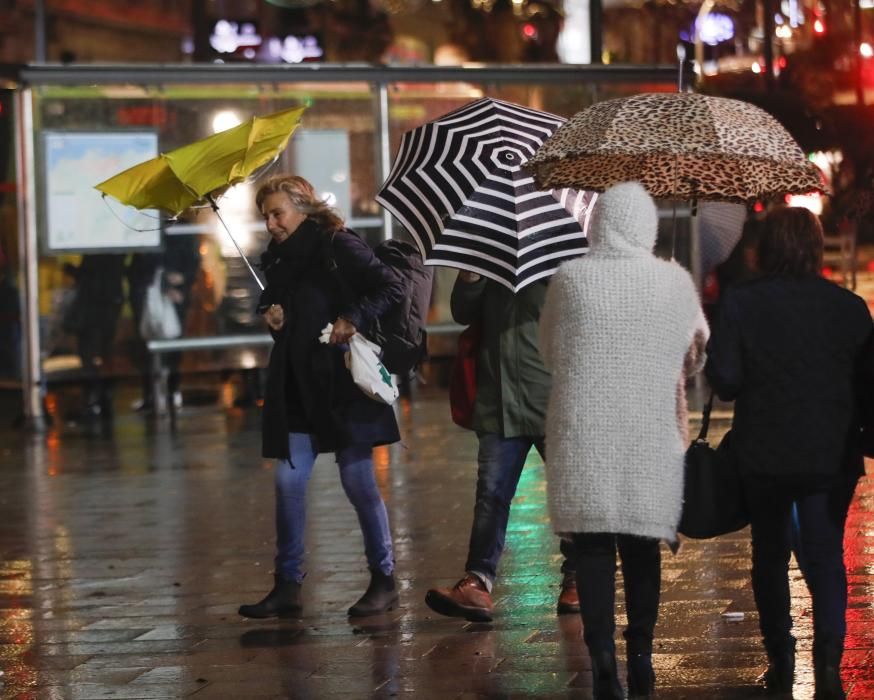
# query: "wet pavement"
(125, 556)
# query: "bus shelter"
(77, 125)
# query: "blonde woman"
(318, 272)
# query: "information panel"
(77, 217)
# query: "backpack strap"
(328, 250)
(347, 293)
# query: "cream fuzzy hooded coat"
(619, 331)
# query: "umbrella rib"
(514, 183)
(490, 242)
(482, 206)
(467, 253)
(459, 265)
(535, 195)
(540, 275)
(553, 241)
(403, 155)
(546, 226)
(506, 197)
(569, 253)
(546, 209)
(414, 209)
(484, 223)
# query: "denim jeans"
(500, 463)
(596, 584)
(822, 512)
(359, 483)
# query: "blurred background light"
(714, 28)
(224, 120)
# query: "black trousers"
(822, 512)
(596, 586)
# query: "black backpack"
(400, 331)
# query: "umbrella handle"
(215, 208)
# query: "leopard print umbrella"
(678, 146)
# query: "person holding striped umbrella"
(512, 390)
(458, 188)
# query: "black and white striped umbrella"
(457, 186)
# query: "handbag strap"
(705, 418)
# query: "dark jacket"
(791, 352)
(308, 381)
(512, 385)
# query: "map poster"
(77, 217)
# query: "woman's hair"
(791, 243)
(303, 197)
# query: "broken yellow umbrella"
(203, 170)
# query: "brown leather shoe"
(568, 600)
(468, 598)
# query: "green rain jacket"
(512, 385)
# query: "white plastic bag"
(368, 372)
(159, 320)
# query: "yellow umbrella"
(200, 171)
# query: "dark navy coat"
(795, 355)
(308, 380)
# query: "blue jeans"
(500, 463)
(822, 512)
(359, 483)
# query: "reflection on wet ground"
(124, 559)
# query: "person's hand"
(343, 330)
(468, 276)
(275, 317)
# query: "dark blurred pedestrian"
(795, 353)
(10, 323)
(620, 331)
(512, 387)
(179, 264)
(92, 319)
(311, 404)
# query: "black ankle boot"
(779, 677)
(641, 677)
(282, 601)
(605, 678)
(381, 596)
(827, 673)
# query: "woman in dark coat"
(794, 351)
(93, 320)
(319, 273)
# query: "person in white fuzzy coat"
(619, 331)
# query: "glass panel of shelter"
(337, 148)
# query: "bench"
(157, 348)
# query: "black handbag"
(713, 501)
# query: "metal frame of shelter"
(381, 78)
